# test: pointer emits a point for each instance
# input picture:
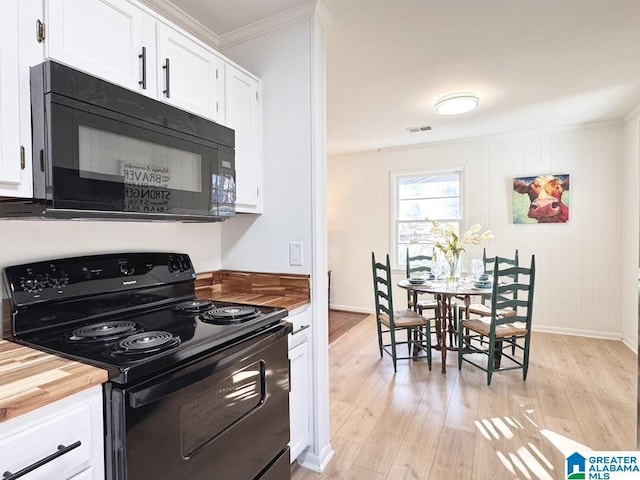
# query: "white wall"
(24, 241)
(282, 59)
(579, 287)
(630, 226)
(290, 60)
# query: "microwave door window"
(150, 175)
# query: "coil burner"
(193, 306)
(144, 343)
(230, 315)
(104, 332)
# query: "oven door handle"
(158, 388)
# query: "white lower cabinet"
(300, 387)
(63, 440)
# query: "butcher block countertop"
(272, 289)
(30, 379)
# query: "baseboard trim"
(316, 463)
(350, 308)
(618, 336)
(578, 332)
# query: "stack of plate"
(416, 281)
(483, 284)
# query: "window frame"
(394, 205)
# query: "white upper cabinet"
(104, 38)
(126, 45)
(189, 75)
(9, 101)
(19, 50)
(243, 115)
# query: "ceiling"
(535, 65)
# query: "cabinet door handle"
(143, 59)
(165, 67)
(304, 327)
(61, 451)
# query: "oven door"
(225, 416)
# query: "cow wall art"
(541, 199)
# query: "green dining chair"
(488, 335)
(391, 323)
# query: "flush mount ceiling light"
(456, 103)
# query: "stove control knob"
(172, 264)
(127, 269)
(184, 263)
(27, 284)
(32, 284)
(38, 283)
(59, 282)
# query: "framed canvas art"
(541, 199)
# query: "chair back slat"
(416, 265)
(382, 287)
(508, 264)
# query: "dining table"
(446, 311)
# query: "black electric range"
(186, 376)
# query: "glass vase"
(453, 275)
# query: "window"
(416, 197)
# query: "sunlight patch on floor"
(527, 461)
(565, 445)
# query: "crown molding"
(324, 15)
(172, 13)
(308, 9)
(269, 24)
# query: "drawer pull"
(61, 451)
(304, 327)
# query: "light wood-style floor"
(420, 424)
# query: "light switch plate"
(295, 253)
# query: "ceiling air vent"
(423, 128)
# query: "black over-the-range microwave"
(102, 151)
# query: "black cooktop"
(136, 315)
(139, 345)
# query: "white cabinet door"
(242, 102)
(189, 75)
(299, 399)
(102, 37)
(9, 102)
(300, 387)
(19, 49)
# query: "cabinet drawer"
(35, 436)
(301, 330)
